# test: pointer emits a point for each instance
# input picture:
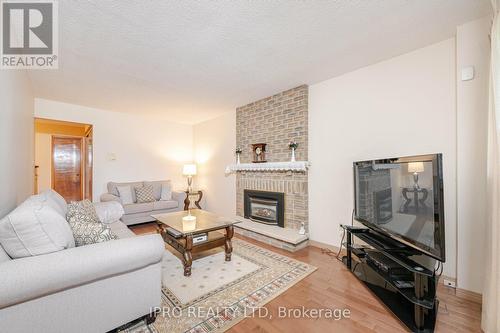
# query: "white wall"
(399, 107)
(43, 158)
(145, 148)
(16, 138)
(473, 49)
(214, 146)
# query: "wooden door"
(67, 167)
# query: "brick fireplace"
(276, 120)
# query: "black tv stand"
(402, 278)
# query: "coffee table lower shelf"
(184, 244)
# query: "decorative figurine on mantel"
(238, 153)
(293, 145)
(259, 152)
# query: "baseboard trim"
(321, 245)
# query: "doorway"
(64, 158)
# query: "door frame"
(82, 161)
(88, 186)
(88, 133)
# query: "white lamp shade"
(189, 170)
(416, 167)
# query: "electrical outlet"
(449, 283)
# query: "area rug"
(220, 294)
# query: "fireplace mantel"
(298, 166)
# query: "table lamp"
(416, 167)
(189, 170)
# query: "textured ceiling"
(190, 61)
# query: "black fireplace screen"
(265, 207)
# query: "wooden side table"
(418, 203)
(187, 201)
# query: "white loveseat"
(92, 288)
(136, 213)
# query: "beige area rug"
(220, 294)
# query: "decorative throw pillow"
(85, 224)
(125, 193)
(144, 194)
(90, 233)
(56, 201)
(166, 191)
(82, 211)
(34, 228)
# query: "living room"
(224, 160)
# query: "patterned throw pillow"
(85, 224)
(82, 211)
(91, 233)
(144, 194)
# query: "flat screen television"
(402, 198)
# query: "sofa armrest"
(31, 277)
(110, 197)
(179, 196)
(109, 211)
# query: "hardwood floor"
(333, 286)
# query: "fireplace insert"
(265, 207)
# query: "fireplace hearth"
(265, 207)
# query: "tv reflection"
(398, 199)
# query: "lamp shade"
(189, 170)
(416, 167)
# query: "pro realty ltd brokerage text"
(280, 312)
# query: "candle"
(189, 223)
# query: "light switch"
(112, 157)
(467, 73)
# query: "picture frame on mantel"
(259, 152)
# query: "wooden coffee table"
(179, 234)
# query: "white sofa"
(136, 213)
(92, 288)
